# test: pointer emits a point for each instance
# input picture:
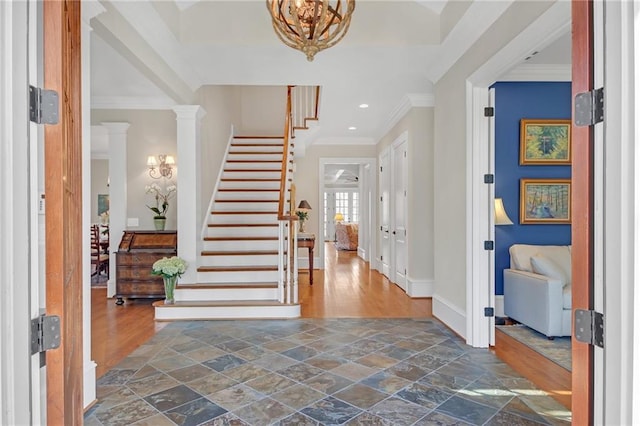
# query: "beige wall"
(263, 110)
(151, 132)
(99, 176)
(308, 169)
(450, 169)
(418, 122)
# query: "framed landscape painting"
(545, 142)
(545, 201)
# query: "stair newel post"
(281, 260)
(294, 244)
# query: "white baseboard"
(362, 254)
(375, 264)
(450, 315)
(499, 306)
(89, 384)
(419, 288)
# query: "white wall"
(450, 169)
(152, 132)
(99, 176)
(419, 124)
(263, 110)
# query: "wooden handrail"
(285, 158)
(317, 101)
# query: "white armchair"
(537, 288)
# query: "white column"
(89, 10)
(189, 197)
(117, 193)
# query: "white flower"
(169, 267)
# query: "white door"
(385, 212)
(399, 233)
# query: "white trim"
(411, 100)
(362, 253)
(176, 312)
(538, 72)
(131, 102)
(452, 316)
(185, 294)
(499, 305)
(339, 140)
(303, 260)
(420, 288)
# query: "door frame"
(379, 264)
(362, 161)
(400, 140)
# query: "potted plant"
(170, 268)
(162, 203)
(302, 217)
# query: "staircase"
(238, 267)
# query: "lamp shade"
(501, 214)
(304, 205)
(151, 161)
(339, 217)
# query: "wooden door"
(582, 212)
(63, 218)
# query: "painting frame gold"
(545, 201)
(545, 142)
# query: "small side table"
(309, 241)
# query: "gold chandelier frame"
(311, 25)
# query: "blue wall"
(513, 102)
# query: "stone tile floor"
(316, 372)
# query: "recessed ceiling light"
(352, 128)
(364, 106)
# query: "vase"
(301, 226)
(169, 288)
(159, 223)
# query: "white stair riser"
(237, 260)
(226, 312)
(244, 277)
(239, 245)
(243, 218)
(243, 141)
(250, 175)
(253, 231)
(248, 195)
(250, 185)
(185, 294)
(248, 165)
(249, 157)
(270, 206)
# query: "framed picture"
(103, 203)
(545, 142)
(545, 201)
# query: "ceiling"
(155, 54)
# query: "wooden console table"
(309, 241)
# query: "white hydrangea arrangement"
(169, 267)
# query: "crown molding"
(129, 102)
(411, 100)
(538, 72)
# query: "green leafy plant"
(302, 215)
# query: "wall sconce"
(501, 214)
(161, 167)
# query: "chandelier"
(311, 25)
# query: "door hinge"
(43, 106)
(589, 327)
(488, 245)
(45, 333)
(488, 178)
(488, 312)
(589, 108)
(489, 111)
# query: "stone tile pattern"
(317, 372)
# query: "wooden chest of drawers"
(137, 252)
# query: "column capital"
(114, 128)
(189, 112)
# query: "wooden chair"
(98, 259)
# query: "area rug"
(557, 350)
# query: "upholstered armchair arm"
(534, 300)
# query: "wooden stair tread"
(250, 180)
(247, 190)
(258, 137)
(254, 161)
(209, 286)
(240, 212)
(248, 201)
(236, 268)
(241, 225)
(240, 238)
(239, 253)
(255, 152)
(252, 170)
